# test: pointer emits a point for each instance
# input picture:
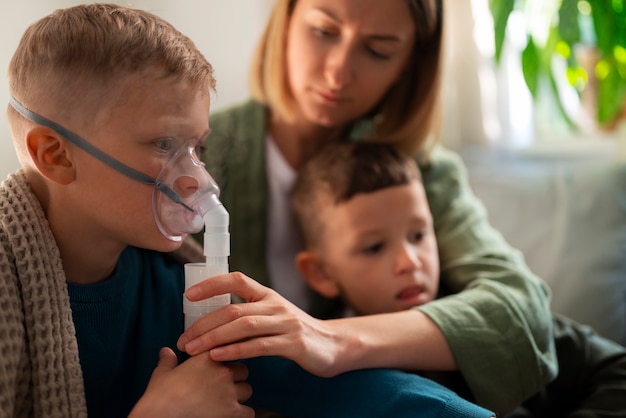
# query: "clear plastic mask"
(183, 193)
(195, 193)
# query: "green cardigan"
(496, 318)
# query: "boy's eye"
(164, 144)
(199, 150)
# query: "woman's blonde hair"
(407, 116)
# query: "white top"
(283, 242)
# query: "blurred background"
(487, 102)
(533, 99)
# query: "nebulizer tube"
(216, 252)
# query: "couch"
(567, 214)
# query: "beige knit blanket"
(40, 374)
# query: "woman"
(327, 70)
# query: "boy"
(108, 106)
(368, 234)
(81, 265)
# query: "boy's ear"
(50, 154)
(310, 266)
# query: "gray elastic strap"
(95, 152)
(81, 143)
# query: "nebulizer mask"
(184, 200)
(184, 192)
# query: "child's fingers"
(167, 361)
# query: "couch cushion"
(568, 217)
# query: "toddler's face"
(380, 249)
(143, 132)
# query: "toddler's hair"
(340, 171)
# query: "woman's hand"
(199, 387)
(267, 325)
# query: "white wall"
(224, 30)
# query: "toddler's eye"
(373, 249)
(417, 236)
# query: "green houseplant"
(569, 26)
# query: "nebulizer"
(216, 252)
(184, 200)
(194, 204)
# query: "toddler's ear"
(50, 154)
(311, 267)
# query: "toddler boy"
(367, 228)
(369, 240)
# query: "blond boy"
(108, 105)
(369, 240)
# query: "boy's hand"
(199, 387)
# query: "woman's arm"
(497, 319)
(496, 330)
(268, 324)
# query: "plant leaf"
(500, 11)
(569, 31)
(604, 21)
(531, 66)
(611, 96)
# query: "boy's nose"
(185, 186)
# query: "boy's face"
(156, 118)
(380, 249)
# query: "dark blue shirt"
(122, 323)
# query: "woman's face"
(344, 55)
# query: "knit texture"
(40, 374)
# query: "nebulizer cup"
(216, 252)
